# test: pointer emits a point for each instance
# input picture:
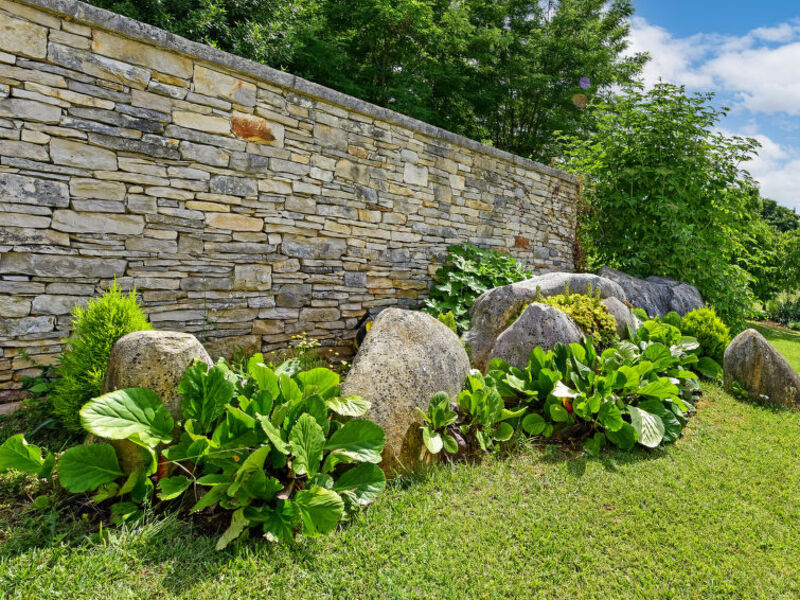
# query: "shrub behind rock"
(709, 330)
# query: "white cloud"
(757, 73)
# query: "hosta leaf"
(348, 406)
(562, 391)
(172, 487)
(205, 393)
(307, 440)
(610, 417)
(16, 453)
(85, 468)
(624, 438)
(534, 424)
(320, 509)
(360, 439)
(708, 368)
(672, 426)
(432, 440)
(366, 480)
(649, 427)
(273, 435)
(238, 524)
(660, 389)
(318, 381)
(129, 412)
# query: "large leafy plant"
(279, 449)
(468, 272)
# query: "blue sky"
(749, 54)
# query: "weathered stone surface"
(220, 85)
(256, 129)
(77, 154)
(32, 190)
(233, 186)
(59, 265)
(24, 150)
(20, 108)
(623, 316)
(140, 54)
(539, 325)
(415, 175)
(22, 37)
(406, 357)
(26, 325)
(95, 188)
(154, 360)
(9, 219)
(207, 123)
(319, 248)
(252, 277)
(656, 295)
(234, 222)
(14, 307)
(56, 304)
(494, 308)
(97, 222)
(766, 375)
(98, 66)
(225, 347)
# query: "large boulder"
(155, 360)
(406, 358)
(494, 308)
(752, 361)
(539, 325)
(656, 295)
(623, 316)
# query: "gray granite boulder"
(540, 325)
(656, 295)
(405, 358)
(494, 308)
(622, 315)
(752, 361)
(154, 360)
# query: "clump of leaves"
(448, 319)
(277, 449)
(588, 312)
(710, 331)
(467, 273)
(96, 329)
(640, 314)
(785, 307)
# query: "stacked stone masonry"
(246, 205)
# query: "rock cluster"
(656, 295)
(246, 205)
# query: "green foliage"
(588, 312)
(779, 217)
(468, 272)
(448, 319)
(96, 329)
(785, 307)
(281, 452)
(666, 194)
(674, 319)
(709, 330)
(640, 314)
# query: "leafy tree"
(779, 217)
(666, 194)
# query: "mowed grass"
(716, 515)
(786, 341)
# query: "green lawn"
(717, 515)
(786, 341)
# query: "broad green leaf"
(307, 440)
(238, 524)
(320, 509)
(594, 444)
(708, 368)
(319, 381)
(450, 444)
(125, 512)
(624, 438)
(660, 389)
(534, 424)
(672, 426)
(360, 439)
(205, 393)
(278, 523)
(649, 427)
(106, 491)
(85, 468)
(366, 480)
(503, 432)
(210, 498)
(126, 413)
(214, 479)
(273, 435)
(348, 406)
(172, 487)
(16, 453)
(558, 413)
(432, 440)
(562, 391)
(265, 378)
(610, 417)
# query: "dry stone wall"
(245, 204)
